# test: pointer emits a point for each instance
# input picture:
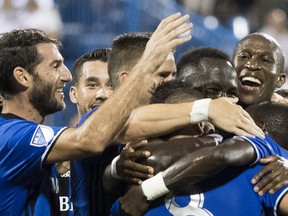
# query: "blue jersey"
(27, 187)
(88, 195)
(227, 193)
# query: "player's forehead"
(258, 43)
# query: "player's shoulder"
(16, 126)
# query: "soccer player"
(259, 62)
(90, 89)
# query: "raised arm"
(101, 127)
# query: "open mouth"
(60, 90)
(250, 83)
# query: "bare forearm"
(158, 119)
(152, 121)
(207, 161)
(112, 115)
(192, 169)
(98, 131)
(164, 154)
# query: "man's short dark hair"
(100, 54)
(174, 91)
(273, 116)
(18, 48)
(190, 61)
(280, 62)
(127, 49)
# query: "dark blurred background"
(83, 25)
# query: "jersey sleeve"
(264, 147)
(26, 144)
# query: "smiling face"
(93, 87)
(258, 61)
(49, 80)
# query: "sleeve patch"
(42, 136)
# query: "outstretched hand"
(128, 169)
(165, 39)
(275, 172)
(227, 115)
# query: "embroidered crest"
(42, 136)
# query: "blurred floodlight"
(210, 22)
(240, 27)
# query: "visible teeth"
(251, 79)
(59, 90)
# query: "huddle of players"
(32, 68)
(210, 72)
(258, 60)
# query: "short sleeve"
(25, 145)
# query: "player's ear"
(281, 80)
(123, 75)
(73, 94)
(262, 125)
(22, 78)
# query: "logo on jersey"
(191, 203)
(42, 136)
(67, 174)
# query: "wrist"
(199, 110)
(154, 187)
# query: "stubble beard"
(43, 99)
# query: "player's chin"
(61, 105)
(247, 100)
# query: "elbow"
(221, 157)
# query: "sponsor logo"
(67, 174)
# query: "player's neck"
(21, 108)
